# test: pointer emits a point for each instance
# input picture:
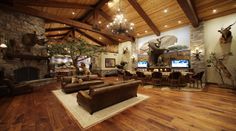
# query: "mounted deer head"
(226, 34)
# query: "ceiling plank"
(90, 37)
(97, 6)
(145, 17)
(55, 4)
(189, 11)
(58, 29)
(66, 21)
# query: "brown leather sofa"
(17, 89)
(68, 87)
(102, 96)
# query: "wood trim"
(189, 11)
(55, 4)
(73, 23)
(145, 17)
(89, 37)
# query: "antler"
(229, 27)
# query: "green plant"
(217, 62)
(75, 48)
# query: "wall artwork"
(110, 62)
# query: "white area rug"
(84, 118)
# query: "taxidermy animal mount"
(226, 34)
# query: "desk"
(148, 73)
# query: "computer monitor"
(143, 64)
(180, 64)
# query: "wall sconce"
(197, 54)
(3, 42)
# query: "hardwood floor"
(214, 109)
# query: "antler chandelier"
(120, 25)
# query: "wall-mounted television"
(180, 64)
(143, 64)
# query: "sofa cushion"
(67, 80)
(91, 89)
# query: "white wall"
(182, 34)
(212, 44)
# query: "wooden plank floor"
(214, 109)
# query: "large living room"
(117, 65)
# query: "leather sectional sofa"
(104, 95)
(68, 87)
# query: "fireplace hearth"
(26, 74)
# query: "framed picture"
(110, 62)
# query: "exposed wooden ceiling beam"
(66, 21)
(97, 6)
(189, 11)
(55, 4)
(105, 15)
(145, 17)
(68, 34)
(90, 37)
(57, 35)
(58, 29)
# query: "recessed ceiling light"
(146, 31)
(138, 34)
(166, 26)
(59, 32)
(165, 10)
(214, 11)
(100, 38)
(179, 21)
(99, 22)
(73, 13)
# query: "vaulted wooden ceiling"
(88, 18)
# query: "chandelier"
(120, 25)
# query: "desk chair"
(197, 78)
(174, 79)
(157, 78)
(141, 76)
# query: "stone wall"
(13, 26)
(197, 46)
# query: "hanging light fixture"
(120, 25)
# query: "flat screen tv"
(180, 64)
(143, 64)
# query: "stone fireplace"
(23, 64)
(26, 74)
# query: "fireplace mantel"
(26, 57)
